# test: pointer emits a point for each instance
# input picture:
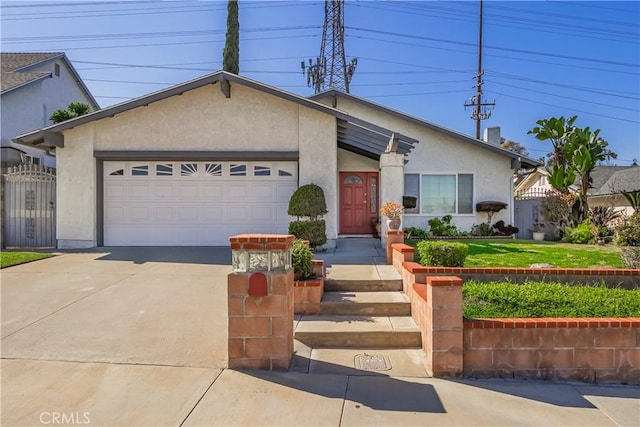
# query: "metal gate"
(29, 207)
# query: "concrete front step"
(358, 331)
(356, 285)
(365, 304)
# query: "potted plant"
(393, 211)
(538, 231)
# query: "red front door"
(358, 202)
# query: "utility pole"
(481, 109)
(331, 69)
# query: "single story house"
(607, 185)
(220, 155)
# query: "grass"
(8, 259)
(523, 253)
(539, 299)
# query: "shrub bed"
(444, 254)
(540, 299)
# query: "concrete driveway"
(138, 337)
(130, 316)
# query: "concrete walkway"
(137, 336)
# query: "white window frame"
(456, 174)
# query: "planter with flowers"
(393, 212)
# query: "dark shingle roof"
(618, 179)
(12, 63)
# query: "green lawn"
(8, 259)
(523, 253)
(538, 299)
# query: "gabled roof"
(352, 132)
(526, 162)
(17, 71)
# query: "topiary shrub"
(301, 260)
(442, 254)
(314, 231)
(307, 201)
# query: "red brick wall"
(590, 350)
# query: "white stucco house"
(222, 154)
(34, 85)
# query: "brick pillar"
(393, 236)
(260, 292)
(444, 331)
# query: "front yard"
(523, 253)
(8, 259)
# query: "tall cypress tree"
(231, 53)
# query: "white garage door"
(188, 203)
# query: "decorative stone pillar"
(391, 183)
(260, 301)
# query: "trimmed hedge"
(442, 254)
(314, 231)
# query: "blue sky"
(540, 58)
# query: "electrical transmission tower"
(481, 110)
(330, 69)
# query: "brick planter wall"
(627, 278)
(307, 294)
(591, 350)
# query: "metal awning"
(370, 141)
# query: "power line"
(564, 107)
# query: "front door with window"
(358, 202)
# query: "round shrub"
(308, 201)
(442, 254)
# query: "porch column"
(391, 184)
(260, 298)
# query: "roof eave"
(37, 79)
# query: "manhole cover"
(372, 362)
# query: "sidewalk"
(126, 337)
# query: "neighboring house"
(607, 184)
(34, 85)
(222, 154)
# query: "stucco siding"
(76, 219)
(352, 162)
(319, 160)
(203, 119)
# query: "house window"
(440, 194)
(56, 70)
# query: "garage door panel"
(115, 192)
(236, 192)
(164, 192)
(192, 205)
(188, 192)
